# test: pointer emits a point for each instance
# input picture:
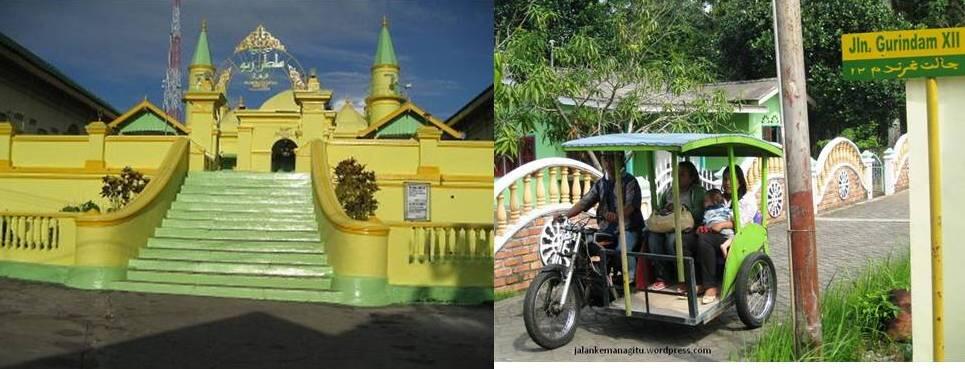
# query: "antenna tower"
(172, 78)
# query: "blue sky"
(118, 48)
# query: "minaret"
(201, 71)
(384, 96)
(202, 103)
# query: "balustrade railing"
(29, 232)
(456, 242)
(546, 183)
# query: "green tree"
(585, 67)
(745, 38)
(931, 13)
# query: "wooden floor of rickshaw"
(662, 304)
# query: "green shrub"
(120, 190)
(852, 315)
(82, 208)
(355, 188)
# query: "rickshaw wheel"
(755, 289)
(539, 310)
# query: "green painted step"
(272, 224)
(217, 234)
(237, 216)
(318, 259)
(229, 291)
(308, 283)
(248, 182)
(294, 200)
(234, 245)
(243, 191)
(262, 209)
(258, 175)
(230, 268)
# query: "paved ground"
(47, 326)
(847, 239)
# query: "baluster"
(577, 192)
(450, 241)
(527, 193)
(412, 245)
(513, 202)
(471, 237)
(21, 229)
(423, 245)
(501, 221)
(540, 189)
(440, 251)
(554, 187)
(56, 235)
(586, 183)
(565, 185)
(34, 231)
(44, 234)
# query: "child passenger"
(716, 212)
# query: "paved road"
(847, 238)
(47, 326)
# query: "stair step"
(294, 200)
(237, 216)
(249, 182)
(239, 174)
(230, 268)
(273, 224)
(242, 208)
(308, 283)
(218, 234)
(244, 191)
(235, 245)
(318, 259)
(289, 294)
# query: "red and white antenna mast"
(172, 79)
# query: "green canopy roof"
(688, 144)
(385, 53)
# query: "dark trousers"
(708, 249)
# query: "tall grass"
(851, 312)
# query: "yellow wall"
(48, 192)
(136, 151)
(952, 128)
(49, 151)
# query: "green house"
(757, 112)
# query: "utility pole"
(804, 258)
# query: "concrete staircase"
(237, 234)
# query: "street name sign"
(903, 54)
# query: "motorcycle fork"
(569, 274)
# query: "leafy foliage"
(355, 188)
(82, 208)
(745, 38)
(583, 67)
(120, 190)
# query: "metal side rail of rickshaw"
(583, 276)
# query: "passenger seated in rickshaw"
(602, 195)
(691, 199)
(709, 256)
(716, 211)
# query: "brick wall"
(517, 262)
(831, 197)
(902, 182)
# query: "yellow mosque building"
(241, 200)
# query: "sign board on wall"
(417, 201)
(903, 54)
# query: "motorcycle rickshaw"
(582, 278)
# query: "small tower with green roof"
(384, 96)
(202, 102)
(201, 67)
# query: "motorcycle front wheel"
(549, 323)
